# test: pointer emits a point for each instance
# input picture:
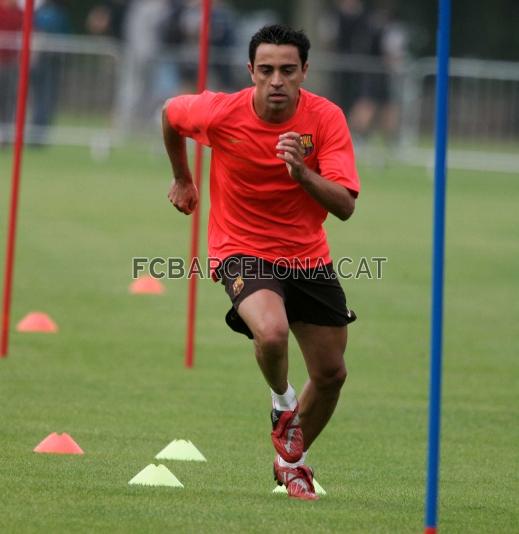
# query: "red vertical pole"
(195, 225)
(21, 107)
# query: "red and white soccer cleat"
(287, 436)
(299, 481)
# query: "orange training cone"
(58, 444)
(147, 285)
(37, 322)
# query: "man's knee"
(271, 337)
(331, 379)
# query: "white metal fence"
(483, 113)
(88, 91)
(72, 90)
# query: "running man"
(282, 159)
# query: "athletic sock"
(286, 401)
(293, 465)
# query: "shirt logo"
(307, 144)
(238, 286)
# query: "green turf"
(114, 379)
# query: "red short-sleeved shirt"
(257, 208)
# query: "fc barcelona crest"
(237, 286)
(307, 144)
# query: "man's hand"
(182, 193)
(291, 151)
(332, 196)
(184, 196)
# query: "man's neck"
(274, 116)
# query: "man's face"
(277, 75)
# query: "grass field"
(113, 377)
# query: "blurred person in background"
(167, 79)
(223, 21)
(142, 46)
(153, 30)
(50, 18)
(346, 30)
(378, 100)
(11, 21)
(222, 37)
(367, 94)
(106, 18)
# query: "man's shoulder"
(210, 102)
(320, 104)
(224, 103)
(234, 100)
(324, 114)
(229, 108)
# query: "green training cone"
(156, 475)
(318, 489)
(180, 449)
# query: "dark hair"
(280, 34)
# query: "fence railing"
(91, 91)
(73, 86)
(483, 113)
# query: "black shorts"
(312, 296)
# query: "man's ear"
(305, 70)
(251, 71)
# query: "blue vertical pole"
(442, 86)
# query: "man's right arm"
(183, 193)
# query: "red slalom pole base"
(430, 530)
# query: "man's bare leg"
(264, 312)
(265, 315)
(323, 349)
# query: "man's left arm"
(334, 197)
